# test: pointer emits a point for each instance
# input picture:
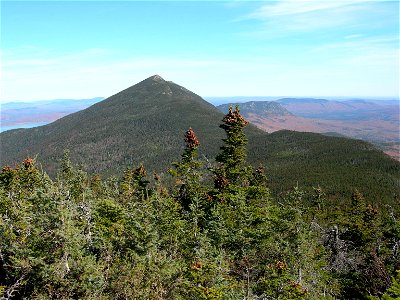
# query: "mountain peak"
(157, 78)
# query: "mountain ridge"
(146, 122)
(355, 118)
(266, 108)
(109, 120)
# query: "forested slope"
(145, 124)
(216, 234)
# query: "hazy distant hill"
(361, 119)
(22, 113)
(264, 108)
(146, 123)
(340, 110)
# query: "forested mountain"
(145, 124)
(216, 233)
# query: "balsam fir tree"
(187, 171)
(233, 153)
(134, 183)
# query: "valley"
(377, 123)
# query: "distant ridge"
(264, 108)
(375, 122)
(19, 114)
(333, 109)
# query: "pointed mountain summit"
(143, 123)
(146, 123)
(156, 78)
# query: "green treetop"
(233, 153)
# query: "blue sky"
(84, 49)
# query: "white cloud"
(295, 7)
(359, 43)
(289, 16)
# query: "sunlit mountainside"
(268, 168)
(373, 121)
(145, 123)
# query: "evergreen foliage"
(79, 236)
(233, 153)
(144, 123)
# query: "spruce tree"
(134, 183)
(187, 171)
(233, 153)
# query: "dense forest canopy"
(216, 233)
(144, 124)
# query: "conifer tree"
(394, 291)
(79, 237)
(233, 153)
(187, 171)
(356, 250)
(299, 246)
(134, 183)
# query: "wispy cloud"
(288, 47)
(288, 16)
(295, 7)
(357, 43)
